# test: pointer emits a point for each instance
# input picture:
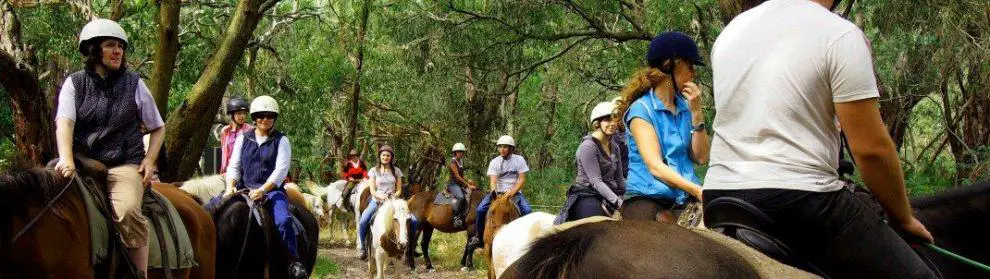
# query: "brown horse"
(502, 211)
(58, 245)
(629, 249)
(440, 217)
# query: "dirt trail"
(352, 267)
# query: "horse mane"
(21, 189)
(556, 255)
(954, 195)
(387, 210)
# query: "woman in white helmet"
(457, 182)
(599, 184)
(260, 162)
(100, 110)
(506, 176)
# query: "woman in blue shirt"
(666, 135)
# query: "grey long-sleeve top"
(599, 171)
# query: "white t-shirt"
(385, 180)
(779, 69)
(507, 171)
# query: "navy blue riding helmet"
(671, 45)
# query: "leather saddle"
(747, 224)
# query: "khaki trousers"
(126, 195)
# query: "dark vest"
(258, 162)
(460, 170)
(107, 117)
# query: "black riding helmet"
(672, 45)
(235, 104)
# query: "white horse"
(389, 235)
(205, 188)
(356, 203)
(334, 203)
(513, 240)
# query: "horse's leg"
(372, 264)
(425, 245)
(467, 259)
(382, 262)
(357, 224)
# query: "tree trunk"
(189, 124)
(550, 101)
(117, 9)
(359, 65)
(251, 77)
(166, 53)
(34, 135)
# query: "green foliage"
(324, 268)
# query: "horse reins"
(252, 209)
(48, 207)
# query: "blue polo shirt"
(674, 131)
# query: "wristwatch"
(700, 127)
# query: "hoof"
(431, 270)
(465, 269)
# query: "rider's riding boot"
(364, 254)
(139, 256)
(458, 223)
(347, 197)
(297, 271)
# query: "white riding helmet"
(100, 28)
(506, 140)
(603, 109)
(616, 100)
(458, 147)
(264, 104)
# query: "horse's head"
(316, 204)
(401, 218)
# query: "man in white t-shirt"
(506, 175)
(783, 71)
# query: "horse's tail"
(556, 255)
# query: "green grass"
(325, 268)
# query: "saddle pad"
(100, 234)
(184, 251)
(443, 198)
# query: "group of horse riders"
(777, 98)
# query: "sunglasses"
(265, 115)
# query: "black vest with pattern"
(107, 118)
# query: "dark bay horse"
(58, 245)
(959, 219)
(629, 249)
(439, 217)
(250, 247)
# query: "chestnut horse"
(440, 217)
(58, 244)
(502, 211)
